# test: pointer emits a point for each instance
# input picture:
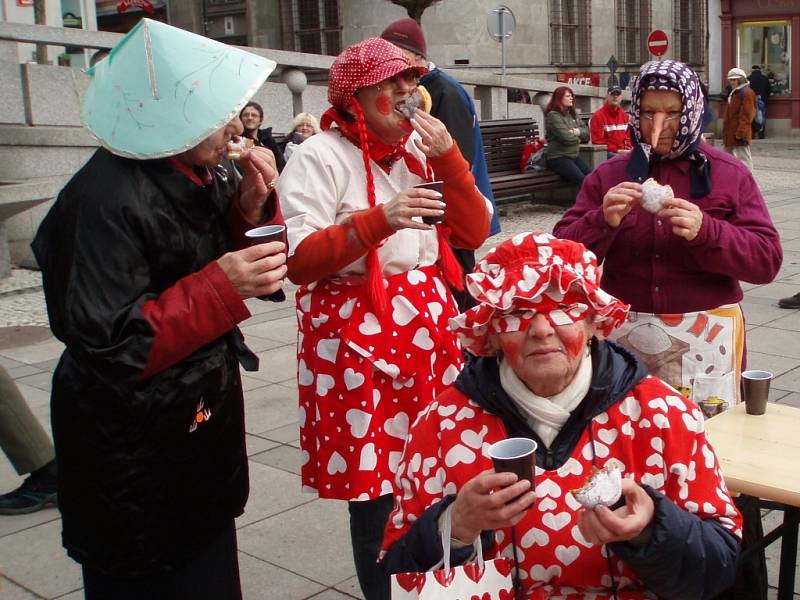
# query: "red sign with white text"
(145, 5)
(579, 78)
(657, 42)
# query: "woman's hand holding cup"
(490, 500)
(415, 202)
(256, 271)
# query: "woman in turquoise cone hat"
(145, 283)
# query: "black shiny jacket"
(139, 486)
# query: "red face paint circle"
(574, 341)
(383, 105)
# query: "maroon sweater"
(656, 271)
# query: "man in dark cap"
(609, 124)
(759, 83)
(453, 106)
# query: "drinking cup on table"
(755, 391)
(515, 455)
(436, 186)
(263, 235)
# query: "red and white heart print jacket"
(655, 432)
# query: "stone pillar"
(493, 101)
(296, 81)
(12, 105)
(5, 258)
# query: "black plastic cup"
(515, 455)
(755, 391)
(263, 235)
(436, 186)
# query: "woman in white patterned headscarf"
(677, 254)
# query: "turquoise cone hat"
(163, 90)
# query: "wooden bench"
(503, 142)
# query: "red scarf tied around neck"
(383, 154)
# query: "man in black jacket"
(759, 83)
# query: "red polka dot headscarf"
(364, 64)
(535, 273)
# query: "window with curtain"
(689, 32)
(311, 26)
(571, 32)
(634, 23)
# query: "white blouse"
(325, 182)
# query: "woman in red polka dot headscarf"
(373, 306)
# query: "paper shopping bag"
(467, 582)
(479, 580)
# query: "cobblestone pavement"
(294, 546)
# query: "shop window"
(766, 44)
(311, 26)
(690, 31)
(571, 32)
(633, 25)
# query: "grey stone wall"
(456, 29)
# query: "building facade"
(764, 33)
(570, 40)
(552, 37)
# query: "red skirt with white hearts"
(363, 378)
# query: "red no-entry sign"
(657, 42)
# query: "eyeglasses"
(649, 115)
(409, 77)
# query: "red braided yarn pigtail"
(375, 288)
(451, 269)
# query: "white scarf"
(547, 416)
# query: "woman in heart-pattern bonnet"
(542, 373)
(374, 348)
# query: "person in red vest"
(609, 125)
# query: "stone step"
(19, 196)
(29, 152)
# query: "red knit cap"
(407, 34)
(364, 64)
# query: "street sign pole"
(501, 23)
(501, 13)
(612, 65)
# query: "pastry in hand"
(415, 102)
(238, 146)
(603, 486)
(654, 195)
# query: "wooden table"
(760, 456)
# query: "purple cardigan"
(654, 270)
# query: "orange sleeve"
(329, 250)
(466, 213)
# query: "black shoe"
(34, 494)
(790, 302)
